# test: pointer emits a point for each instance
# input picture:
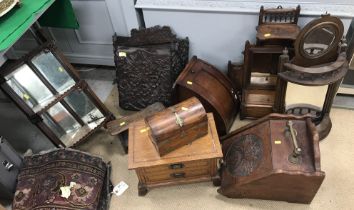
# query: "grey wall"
(217, 30)
(92, 42)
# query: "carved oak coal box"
(274, 158)
(178, 125)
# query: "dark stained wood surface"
(277, 31)
(274, 177)
(178, 125)
(212, 88)
(257, 103)
(142, 152)
(121, 124)
(329, 54)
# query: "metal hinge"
(35, 118)
(234, 94)
(2, 80)
(8, 166)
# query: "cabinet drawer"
(254, 111)
(177, 171)
(177, 175)
(259, 97)
(175, 166)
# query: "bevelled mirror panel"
(63, 118)
(28, 86)
(319, 40)
(299, 94)
(53, 71)
(83, 106)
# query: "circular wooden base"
(324, 127)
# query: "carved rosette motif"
(244, 155)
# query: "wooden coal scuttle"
(274, 158)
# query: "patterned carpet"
(41, 180)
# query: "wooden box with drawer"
(195, 162)
(256, 103)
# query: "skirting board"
(82, 59)
(343, 8)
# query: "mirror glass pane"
(73, 137)
(53, 71)
(63, 118)
(83, 106)
(55, 127)
(65, 127)
(299, 94)
(319, 40)
(263, 79)
(28, 86)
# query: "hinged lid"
(142, 152)
(175, 120)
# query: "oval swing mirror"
(318, 41)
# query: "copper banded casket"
(178, 125)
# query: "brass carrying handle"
(297, 150)
(179, 120)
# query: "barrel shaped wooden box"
(178, 125)
(212, 88)
(263, 161)
(195, 162)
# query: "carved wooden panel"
(244, 155)
(147, 64)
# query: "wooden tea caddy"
(177, 125)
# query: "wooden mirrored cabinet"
(51, 94)
(259, 80)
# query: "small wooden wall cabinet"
(195, 162)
